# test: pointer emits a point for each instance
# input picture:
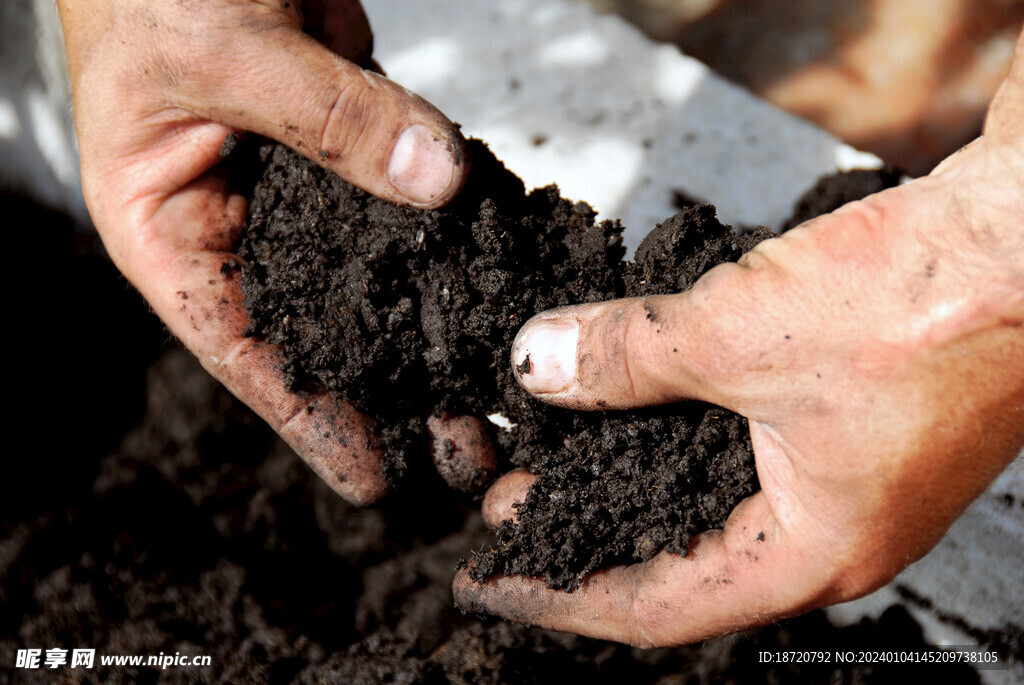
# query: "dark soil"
(407, 313)
(835, 190)
(156, 514)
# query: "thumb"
(375, 134)
(638, 351)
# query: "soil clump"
(835, 190)
(406, 313)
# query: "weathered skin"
(878, 353)
(158, 85)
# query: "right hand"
(158, 85)
(878, 354)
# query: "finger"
(749, 574)
(638, 351)
(502, 497)
(190, 279)
(279, 82)
(462, 452)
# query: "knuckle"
(725, 336)
(647, 351)
(349, 118)
(605, 349)
(651, 621)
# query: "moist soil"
(168, 518)
(408, 313)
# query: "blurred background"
(908, 80)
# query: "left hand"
(158, 86)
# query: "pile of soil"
(406, 313)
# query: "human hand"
(878, 353)
(158, 86)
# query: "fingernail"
(544, 354)
(421, 166)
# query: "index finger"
(191, 279)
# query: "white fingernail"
(544, 354)
(422, 166)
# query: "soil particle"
(228, 268)
(229, 144)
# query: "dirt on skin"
(407, 313)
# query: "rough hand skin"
(407, 313)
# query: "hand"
(878, 354)
(158, 85)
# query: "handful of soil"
(407, 312)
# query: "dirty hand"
(158, 85)
(878, 353)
